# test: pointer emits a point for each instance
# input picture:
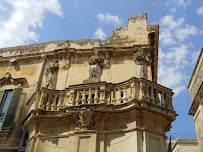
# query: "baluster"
(89, 99)
(163, 103)
(142, 90)
(124, 95)
(72, 97)
(132, 90)
(42, 100)
(157, 97)
(53, 105)
(48, 104)
(102, 94)
(96, 97)
(119, 95)
(170, 101)
(66, 100)
(147, 93)
(113, 97)
(152, 94)
(83, 97)
(77, 99)
(60, 102)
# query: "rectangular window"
(4, 105)
(8, 104)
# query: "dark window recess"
(24, 142)
(8, 106)
(5, 100)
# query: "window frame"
(7, 124)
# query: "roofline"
(198, 60)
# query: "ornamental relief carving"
(9, 80)
(85, 118)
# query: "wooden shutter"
(1, 95)
(10, 115)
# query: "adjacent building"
(195, 87)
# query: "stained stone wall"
(89, 95)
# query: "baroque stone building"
(86, 95)
(195, 87)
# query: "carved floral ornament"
(9, 80)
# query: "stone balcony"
(140, 92)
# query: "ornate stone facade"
(87, 95)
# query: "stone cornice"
(195, 69)
(196, 101)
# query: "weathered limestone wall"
(185, 145)
(131, 51)
(198, 121)
(125, 134)
(30, 70)
(196, 91)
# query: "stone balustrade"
(106, 93)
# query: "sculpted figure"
(142, 60)
(49, 73)
(96, 64)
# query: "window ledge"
(4, 134)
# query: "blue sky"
(181, 33)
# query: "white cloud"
(179, 2)
(175, 58)
(179, 89)
(183, 33)
(2, 7)
(99, 34)
(195, 56)
(173, 10)
(108, 18)
(200, 11)
(183, 3)
(171, 67)
(174, 30)
(169, 21)
(166, 37)
(25, 16)
(178, 54)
